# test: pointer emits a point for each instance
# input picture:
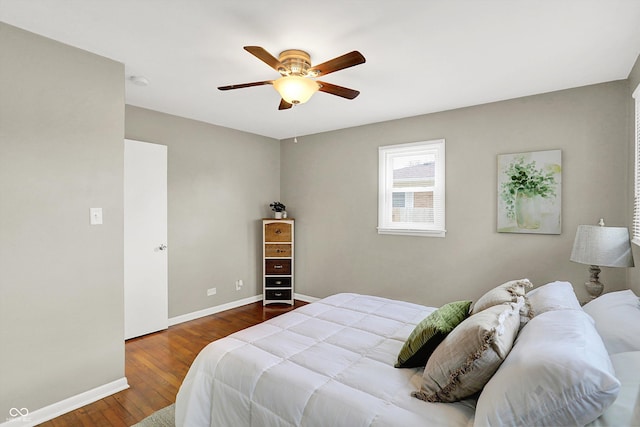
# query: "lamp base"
(594, 287)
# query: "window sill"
(636, 241)
(412, 232)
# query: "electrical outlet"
(239, 284)
(211, 291)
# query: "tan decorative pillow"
(507, 292)
(469, 356)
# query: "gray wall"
(61, 284)
(220, 183)
(634, 81)
(329, 183)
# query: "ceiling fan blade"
(344, 92)
(284, 105)
(340, 63)
(240, 86)
(264, 56)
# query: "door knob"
(162, 247)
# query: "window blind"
(636, 198)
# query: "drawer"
(277, 282)
(283, 250)
(278, 294)
(277, 266)
(277, 232)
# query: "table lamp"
(600, 246)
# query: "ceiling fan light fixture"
(296, 89)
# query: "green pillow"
(430, 332)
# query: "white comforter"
(625, 411)
(329, 363)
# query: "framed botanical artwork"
(530, 192)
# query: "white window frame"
(386, 154)
(636, 187)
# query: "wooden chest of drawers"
(277, 261)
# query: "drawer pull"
(278, 231)
(277, 294)
(277, 282)
(277, 266)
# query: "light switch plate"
(96, 216)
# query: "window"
(411, 189)
(636, 191)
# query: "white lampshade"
(602, 246)
(296, 89)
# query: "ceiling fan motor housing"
(295, 63)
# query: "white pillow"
(553, 296)
(558, 373)
(617, 317)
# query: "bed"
(332, 363)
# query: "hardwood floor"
(156, 364)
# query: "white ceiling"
(422, 56)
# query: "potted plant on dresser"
(279, 210)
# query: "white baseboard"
(234, 304)
(213, 310)
(24, 418)
(305, 298)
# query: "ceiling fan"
(296, 84)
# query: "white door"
(145, 238)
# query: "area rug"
(165, 417)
